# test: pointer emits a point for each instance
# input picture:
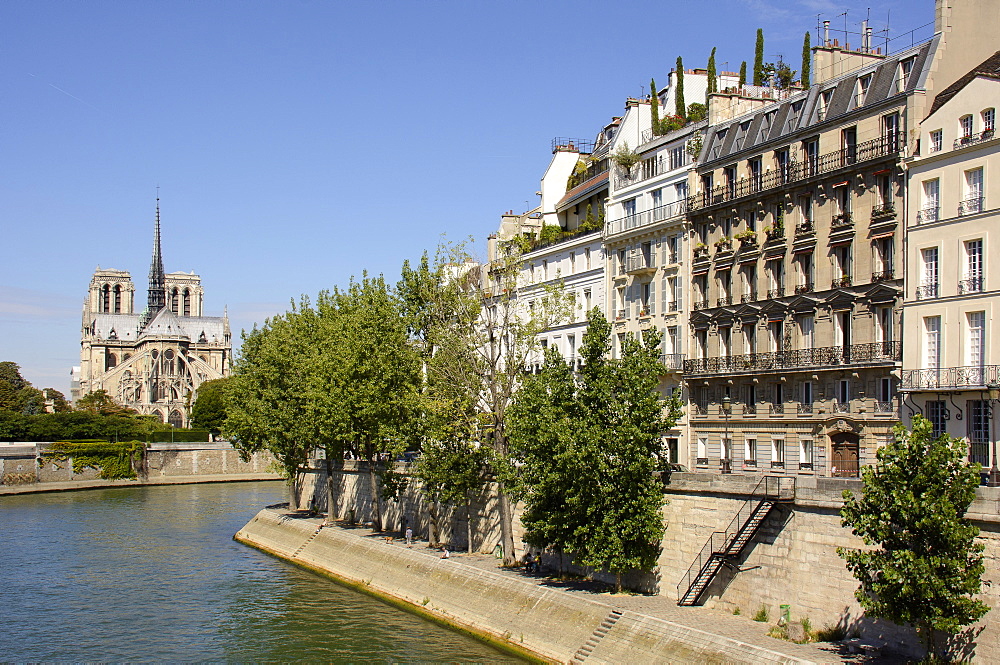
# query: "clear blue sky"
(299, 143)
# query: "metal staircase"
(725, 546)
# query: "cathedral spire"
(157, 294)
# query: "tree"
(17, 395)
(713, 76)
(100, 402)
(679, 104)
(784, 75)
(926, 566)
(654, 106)
(209, 408)
(758, 59)
(58, 400)
(590, 448)
(743, 73)
(806, 60)
(697, 112)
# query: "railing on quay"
(793, 172)
(827, 356)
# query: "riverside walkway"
(704, 625)
(70, 485)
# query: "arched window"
(106, 298)
(176, 419)
(174, 301)
(118, 298)
(187, 302)
(110, 361)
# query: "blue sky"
(299, 143)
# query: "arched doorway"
(844, 458)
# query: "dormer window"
(903, 74)
(861, 91)
(794, 113)
(741, 135)
(765, 126)
(720, 140)
(824, 104)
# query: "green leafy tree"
(743, 73)
(713, 76)
(697, 112)
(590, 448)
(679, 104)
(209, 408)
(925, 567)
(654, 106)
(784, 75)
(101, 403)
(758, 59)
(806, 60)
(58, 400)
(17, 395)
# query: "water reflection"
(153, 574)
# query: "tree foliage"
(806, 60)
(654, 105)
(209, 408)
(926, 566)
(99, 402)
(589, 447)
(758, 59)
(679, 104)
(713, 76)
(697, 112)
(743, 74)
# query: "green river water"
(152, 574)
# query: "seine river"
(152, 574)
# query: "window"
(842, 330)
(849, 142)
(929, 273)
(749, 283)
(545, 269)
(756, 173)
(811, 149)
(884, 327)
(750, 337)
(937, 413)
(804, 262)
(794, 113)
(586, 256)
(572, 262)
(656, 198)
(932, 342)
(965, 127)
(929, 213)
(883, 255)
(883, 190)
(903, 74)
(702, 450)
(750, 450)
(805, 453)
(673, 249)
(725, 341)
(680, 191)
(672, 340)
(842, 197)
(706, 182)
(973, 202)
(989, 116)
(842, 265)
(724, 282)
(628, 207)
(844, 395)
(648, 299)
(973, 282)
(807, 335)
(701, 342)
(824, 104)
(886, 391)
(586, 302)
(729, 173)
(777, 452)
(890, 128)
(781, 162)
(807, 393)
(571, 347)
(678, 157)
(976, 341)
(979, 431)
(776, 331)
(861, 90)
(673, 449)
(937, 140)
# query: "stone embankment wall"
(24, 464)
(792, 561)
(543, 621)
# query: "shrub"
(762, 614)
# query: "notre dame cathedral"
(152, 361)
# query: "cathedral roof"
(164, 324)
(116, 326)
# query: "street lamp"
(727, 463)
(993, 394)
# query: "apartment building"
(795, 283)
(951, 360)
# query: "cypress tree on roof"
(758, 59)
(743, 74)
(681, 107)
(806, 57)
(713, 79)
(654, 107)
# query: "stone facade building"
(151, 361)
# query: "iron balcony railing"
(842, 221)
(970, 206)
(973, 284)
(804, 227)
(929, 290)
(973, 139)
(885, 146)
(808, 287)
(646, 218)
(928, 214)
(641, 262)
(970, 377)
(672, 360)
(828, 356)
(883, 276)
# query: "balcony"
(842, 222)
(883, 213)
(972, 377)
(723, 302)
(776, 234)
(805, 227)
(928, 214)
(970, 206)
(777, 409)
(843, 282)
(701, 251)
(672, 306)
(927, 291)
(973, 139)
(885, 407)
(643, 219)
(884, 276)
(841, 407)
(794, 172)
(749, 297)
(806, 408)
(723, 245)
(972, 284)
(872, 353)
(700, 304)
(641, 264)
(620, 315)
(672, 360)
(776, 293)
(808, 287)
(749, 409)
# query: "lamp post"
(727, 463)
(993, 393)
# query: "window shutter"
(679, 295)
(652, 296)
(665, 294)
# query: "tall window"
(702, 450)
(844, 394)
(890, 128)
(811, 149)
(805, 453)
(842, 197)
(932, 342)
(777, 452)
(586, 256)
(750, 450)
(979, 431)
(807, 393)
(807, 334)
(824, 103)
(187, 302)
(842, 264)
(756, 172)
(884, 327)
(989, 118)
(725, 341)
(929, 273)
(937, 140)
(973, 281)
(937, 413)
(965, 126)
(903, 75)
(750, 337)
(976, 340)
(929, 211)
(973, 202)
(861, 91)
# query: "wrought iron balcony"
(672, 306)
(973, 139)
(970, 206)
(805, 227)
(701, 251)
(804, 288)
(972, 284)
(700, 304)
(646, 218)
(829, 356)
(775, 234)
(777, 409)
(841, 407)
(750, 409)
(929, 290)
(749, 297)
(970, 377)
(929, 214)
(883, 276)
(885, 407)
(879, 148)
(723, 302)
(842, 221)
(672, 360)
(806, 407)
(844, 281)
(776, 293)
(886, 211)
